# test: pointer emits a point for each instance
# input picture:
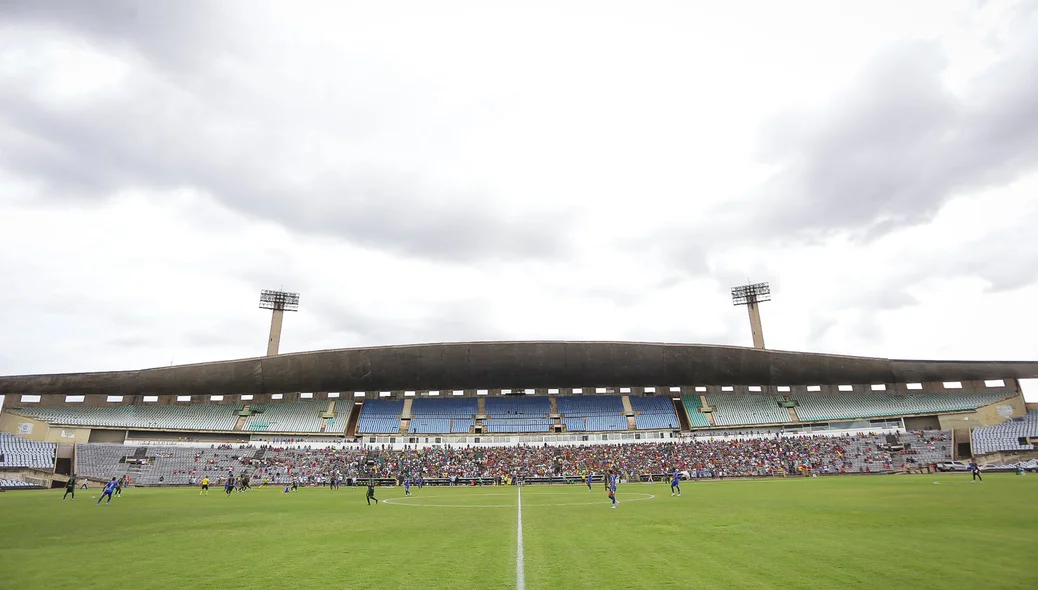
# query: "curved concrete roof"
(506, 365)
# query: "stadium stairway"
(709, 415)
(793, 415)
(632, 424)
(553, 404)
(407, 409)
(628, 408)
(481, 406)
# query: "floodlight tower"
(750, 296)
(279, 302)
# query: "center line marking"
(520, 573)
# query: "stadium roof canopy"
(506, 365)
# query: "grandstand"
(1012, 435)
(158, 439)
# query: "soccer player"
(229, 486)
(205, 486)
(118, 487)
(975, 469)
(407, 486)
(371, 492)
(108, 491)
(70, 487)
(589, 475)
(675, 483)
(612, 492)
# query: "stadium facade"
(523, 392)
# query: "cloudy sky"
(562, 170)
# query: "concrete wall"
(42, 431)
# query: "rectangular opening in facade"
(114, 398)
(879, 387)
(994, 383)
(914, 386)
(952, 384)
(74, 399)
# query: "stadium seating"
(654, 413)
(517, 424)
(464, 407)
(692, 404)
(738, 410)
(514, 406)
(1006, 436)
(17, 484)
(20, 452)
(595, 423)
(186, 417)
(380, 416)
(598, 405)
(843, 407)
(288, 417)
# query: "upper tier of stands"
(654, 413)
(737, 410)
(288, 417)
(1006, 436)
(19, 452)
(380, 416)
(842, 407)
(599, 405)
(692, 404)
(517, 407)
(460, 407)
(190, 417)
(457, 415)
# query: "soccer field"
(844, 532)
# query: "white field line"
(520, 567)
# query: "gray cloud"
(173, 132)
(899, 144)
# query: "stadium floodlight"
(750, 295)
(278, 302)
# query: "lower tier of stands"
(1007, 435)
(755, 456)
(19, 452)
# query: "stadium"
(547, 422)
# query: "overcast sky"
(563, 170)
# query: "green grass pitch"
(844, 532)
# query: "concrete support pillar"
(755, 325)
(275, 332)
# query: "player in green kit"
(70, 487)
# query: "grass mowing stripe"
(520, 567)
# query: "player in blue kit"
(590, 474)
(407, 486)
(108, 491)
(675, 483)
